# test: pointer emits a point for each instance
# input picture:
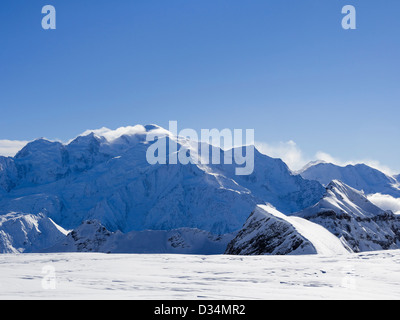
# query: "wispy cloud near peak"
(9, 148)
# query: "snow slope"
(349, 215)
(360, 177)
(28, 233)
(275, 183)
(8, 174)
(268, 231)
(188, 277)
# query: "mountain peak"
(84, 139)
(268, 231)
(39, 145)
(311, 164)
(337, 184)
(343, 199)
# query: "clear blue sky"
(284, 67)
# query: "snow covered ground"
(374, 275)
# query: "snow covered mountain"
(268, 231)
(28, 233)
(274, 183)
(101, 186)
(360, 177)
(8, 174)
(104, 175)
(349, 215)
(91, 236)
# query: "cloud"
(288, 151)
(385, 202)
(9, 148)
(111, 135)
(295, 158)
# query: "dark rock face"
(264, 233)
(90, 236)
(350, 216)
(380, 232)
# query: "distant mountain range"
(360, 177)
(98, 193)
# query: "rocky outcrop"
(349, 215)
(269, 232)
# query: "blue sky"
(284, 67)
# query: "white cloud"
(288, 151)
(295, 158)
(9, 148)
(111, 135)
(385, 202)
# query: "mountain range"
(99, 193)
(360, 177)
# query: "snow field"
(104, 276)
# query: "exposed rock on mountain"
(267, 231)
(349, 215)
